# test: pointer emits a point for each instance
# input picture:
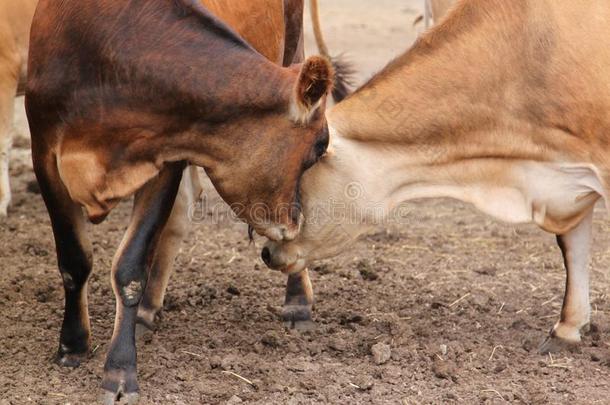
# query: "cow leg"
(297, 310)
(152, 207)
(8, 88)
(167, 249)
(575, 312)
(74, 258)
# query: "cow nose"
(266, 256)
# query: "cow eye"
(321, 146)
(318, 150)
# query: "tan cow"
(15, 20)
(503, 105)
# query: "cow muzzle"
(281, 232)
(286, 258)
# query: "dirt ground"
(462, 301)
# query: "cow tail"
(344, 71)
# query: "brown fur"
(254, 21)
(255, 31)
(315, 80)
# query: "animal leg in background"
(167, 249)
(299, 300)
(9, 78)
(576, 310)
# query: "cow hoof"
(4, 207)
(111, 398)
(298, 317)
(144, 330)
(555, 344)
(70, 359)
(301, 326)
(120, 385)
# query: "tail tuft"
(344, 71)
(344, 78)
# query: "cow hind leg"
(298, 304)
(576, 310)
(74, 259)
(8, 89)
(152, 208)
(166, 251)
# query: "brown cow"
(124, 96)
(15, 19)
(260, 31)
(499, 106)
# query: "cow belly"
(554, 196)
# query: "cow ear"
(315, 80)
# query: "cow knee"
(68, 281)
(131, 294)
(130, 287)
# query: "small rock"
(364, 383)
(437, 305)
(271, 339)
(229, 361)
(487, 271)
(322, 269)
(234, 400)
(366, 270)
(443, 350)
(346, 319)
(444, 370)
(215, 362)
(381, 353)
(233, 290)
(338, 345)
(499, 368)
(528, 345)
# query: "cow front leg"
(8, 88)
(74, 258)
(152, 207)
(166, 251)
(576, 310)
(297, 311)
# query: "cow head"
(258, 164)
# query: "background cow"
(15, 19)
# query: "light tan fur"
(15, 20)
(503, 105)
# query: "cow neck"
(193, 66)
(449, 86)
(444, 109)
